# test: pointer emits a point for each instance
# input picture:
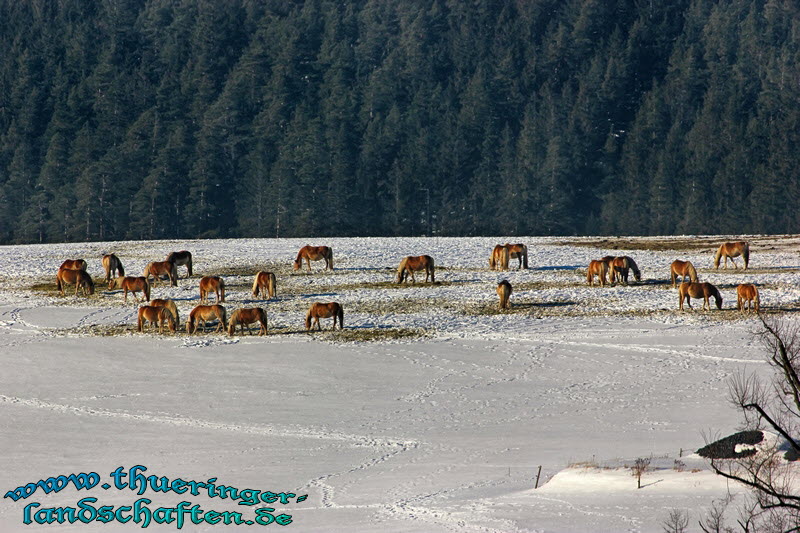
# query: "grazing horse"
(265, 284)
(209, 284)
(156, 315)
(170, 305)
(733, 249)
(112, 264)
(597, 268)
(161, 268)
(499, 258)
(747, 297)
(74, 264)
(182, 258)
(416, 263)
(77, 277)
(132, 284)
(682, 269)
(620, 267)
(314, 253)
(698, 290)
(204, 314)
(518, 251)
(504, 292)
(319, 310)
(245, 317)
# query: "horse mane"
(718, 255)
(632, 264)
(255, 287)
(401, 269)
(692, 271)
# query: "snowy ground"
(432, 411)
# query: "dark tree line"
(133, 119)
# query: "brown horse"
(245, 317)
(182, 258)
(314, 253)
(112, 264)
(518, 251)
(413, 263)
(170, 305)
(499, 258)
(161, 268)
(733, 249)
(620, 267)
(597, 268)
(79, 278)
(682, 269)
(74, 264)
(319, 310)
(204, 314)
(156, 315)
(747, 297)
(504, 292)
(266, 284)
(131, 284)
(698, 290)
(209, 284)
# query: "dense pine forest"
(125, 119)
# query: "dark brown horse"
(204, 314)
(131, 284)
(246, 316)
(170, 305)
(314, 253)
(156, 316)
(209, 284)
(504, 292)
(266, 284)
(682, 269)
(731, 250)
(620, 267)
(499, 258)
(597, 268)
(518, 251)
(413, 263)
(747, 297)
(182, 258)
(161, 268)
(698, 290)
(79, 278)
(74, 264)
(320, 310)
(112, 265)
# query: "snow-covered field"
(432, 411)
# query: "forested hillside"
(123, 119)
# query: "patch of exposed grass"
(650, 244)
(370, 334)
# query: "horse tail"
(692, 272)
(330, 257)
(59, 285)
(433, 269)
(589, 274)
(672, 274)
(524, 257)
(255, 284)
(222, 316)
(718, 255)
(272, 286)
(308, 318)
(401, 270)
(746, 253)
(222, 289)
(140, 319)
(757, 300)
(146, 289)
(173, 273)
(189, 264)
(504, 256)
(120, 268)
(491, 261)
(340, 314)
